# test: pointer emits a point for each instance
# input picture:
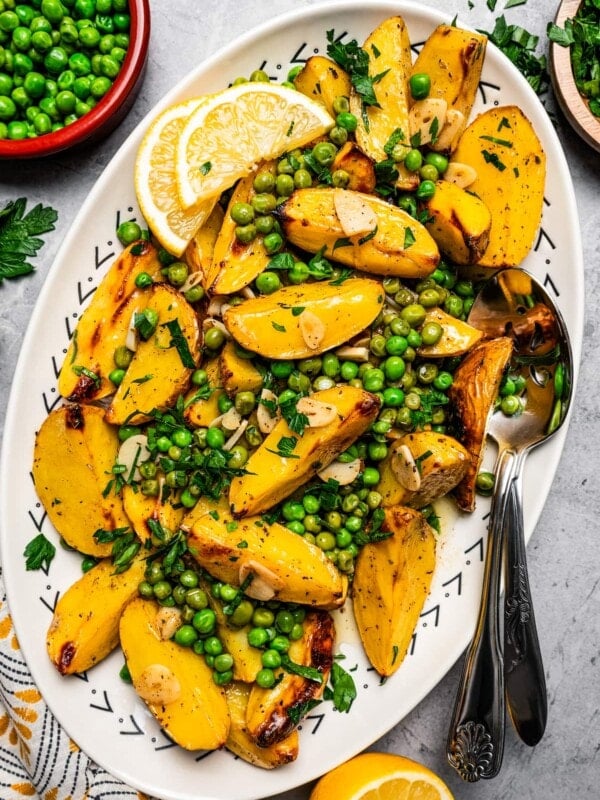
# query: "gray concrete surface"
(564, 550)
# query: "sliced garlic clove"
(131, 339)
(427, 118)
(236, 435)
(448, 136)
(264, 584)
(318, 413)
(350, 353)
(462, 175)
(133, 452)
(312, 329)
(193, 279)
(342, 472)
(167, 621)
(216, 305)
(158, 685)
(405, 468)
(267, 421)
(230, 420)
(356, 216)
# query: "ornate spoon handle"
(525, 684)
(476, 736)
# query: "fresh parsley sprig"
(355, 60)
(19, 236)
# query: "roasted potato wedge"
(303, 321)
(85, 623)
(472, 394)
(459, 222)
(316, 448)
(458, 337)
(453, 58)
(388, 47)
(140, 508)
(104, 324)
(199, 252)
(397, 244)
(236, 264)
(504, 150)
(238, 374)
(241, 744)
(74, 453)
(157, 373)
(283, 565)
(441, 463)
(201, 410)
(271, 712)
(359, 166)
(391, 583)
(323, 80)
(174, 682)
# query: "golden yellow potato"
(391, 583)
(174, 682)
(85, 623)
(75, 451)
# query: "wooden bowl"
(573, 105)
(109, 111)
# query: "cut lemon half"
(156, 183)
(381, 776)
(226, 137)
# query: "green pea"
(257, 637)
(425, 190)
(34, 84)
(100, 86)
(443, 381)
(349, 370)
(325, 540)
(197, 599)
(413, 161)
(242, 613)
(214, 338)
(298, 273)
(454, 305)
(264, 182)
(511, 405)
(302, 179)
(420, 85)
(89, 37)
(414, 314)
(396, 345)
(393, 397)
(53, 10)
(215, 438)
(485, 482)
(268, 282)
(338, 135)
(394, 368)
(265, 678)
(177, 273)
(242, 213)
(186, 635)
(437, 160)
(431, 333)
(224, 403)
(56, 60)
(204, 621)
(273, 242)
(428, 173)
(263, 618)
(262, 203)
(324, 153)
(284, 185)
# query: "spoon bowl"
(537, 394)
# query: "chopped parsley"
(180, 343)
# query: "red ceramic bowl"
(109, 112)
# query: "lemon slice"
(381, 776)
(156, 185)
(226, 137)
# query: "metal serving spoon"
(515, 304)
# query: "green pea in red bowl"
(108, 112)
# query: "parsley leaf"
(285, 447)
(19, 236)
(38, 553)
(355, 60)
(343, 689)
(311, 673)
(180, 343)
(520, 47)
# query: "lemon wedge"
(156, 183)
(381, 776)
(235, 129)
